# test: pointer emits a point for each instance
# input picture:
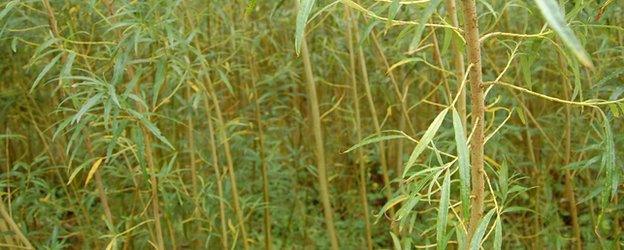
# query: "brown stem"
(478, 110)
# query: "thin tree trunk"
(358, 130)
(458, 60)
(377, 125)
(191, 144)
(320, 151)
(215, 164)
(7, 218)
(229, 160)
(569, 181)
(478, 110)
(261, 151)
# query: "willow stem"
(478, 114)
(358, 130)
(320, 151)
(229, 160)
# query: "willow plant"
(339, 124)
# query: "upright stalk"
(191, 144)
(98, 177)
(458, 60)
(16, 230)
(229, 160)
(358, 130)
(478, 110)
(569, 179)
(215, 164)
(261, 151)
(222, 134)
(401, 94)
(149, 155)
(99, 184)
(320, 151)
(437, 56)
(376, 124)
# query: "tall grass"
(311, 124)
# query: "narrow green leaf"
(61, 127)
(555, 18)
(8, 7)
(159, 80)
(525, 64)
(305, 7)
(225, 80)
(392, 11)
(475, 243)
(66, 71)
(461, 237)
(425, 140)
(503, 176)
(74, 173)
(133, 82)
(113, 95)
(578, 88)
(151, 127)
(608, 163)
(88, 105)
(615, 110)
(498, 235)
(365, 33)
(140, 151)
(167, 169)
(44, 46)
(392, 203)
(515, 209)
(433, 4)
(610, 76)
(119, 68)
(406, 209)
(443, 211)
(464, 163)
(44, 71)
(395, 241)
(373, 139)
(117, 128)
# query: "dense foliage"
(311, 124)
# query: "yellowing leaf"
(94, 168)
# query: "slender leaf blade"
(44, 71)
(443, 212)
(555, 18)
(425, 140)
(464, 163)
(433, 4)
(475, 243)
(305, 7)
